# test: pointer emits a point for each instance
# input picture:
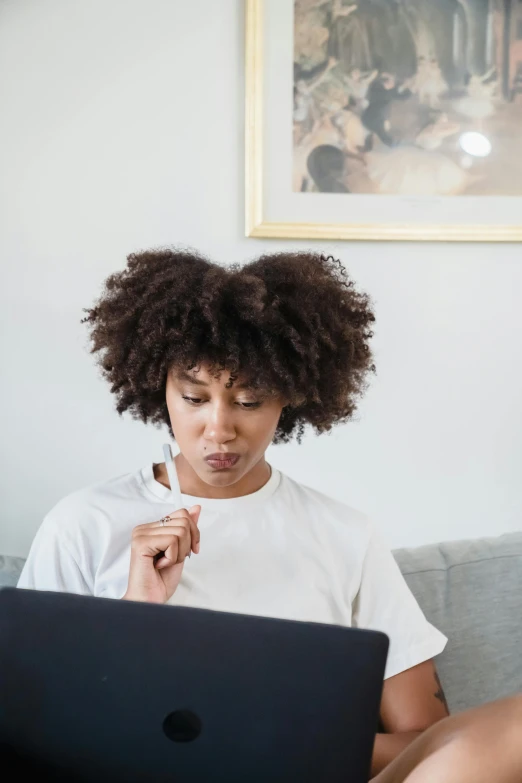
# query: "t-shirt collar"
(217, 504)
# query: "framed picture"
(384, 119)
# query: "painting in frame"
(384, 119)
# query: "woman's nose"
(219, 427)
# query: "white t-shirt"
(284, 551)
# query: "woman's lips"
(222, 461)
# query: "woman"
(231, 360)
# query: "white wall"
(122, 128)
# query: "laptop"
(96, 690)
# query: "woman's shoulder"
(95, 503)
(82, 529)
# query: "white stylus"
(175, 490)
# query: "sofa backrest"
(472, 592)
(10, 570)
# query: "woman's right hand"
(158, 554)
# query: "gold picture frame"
(255, 223)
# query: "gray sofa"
(472, 592)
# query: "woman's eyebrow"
(183, 375)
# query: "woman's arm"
(411, 702)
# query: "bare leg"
(479, 746)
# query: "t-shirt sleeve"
(385, 603)
(51, 564)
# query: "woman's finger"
(167, 521)
(190, 530)
(159, 541)
(179, 548)
(181, 513)
(194, 512)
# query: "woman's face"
(209, 419)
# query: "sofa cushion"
(472, 592)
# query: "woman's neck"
(191, 484)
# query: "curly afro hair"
(291, 323)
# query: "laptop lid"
(102, 690)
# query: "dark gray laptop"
(97, 690)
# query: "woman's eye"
(192, 400)
(199, 401)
